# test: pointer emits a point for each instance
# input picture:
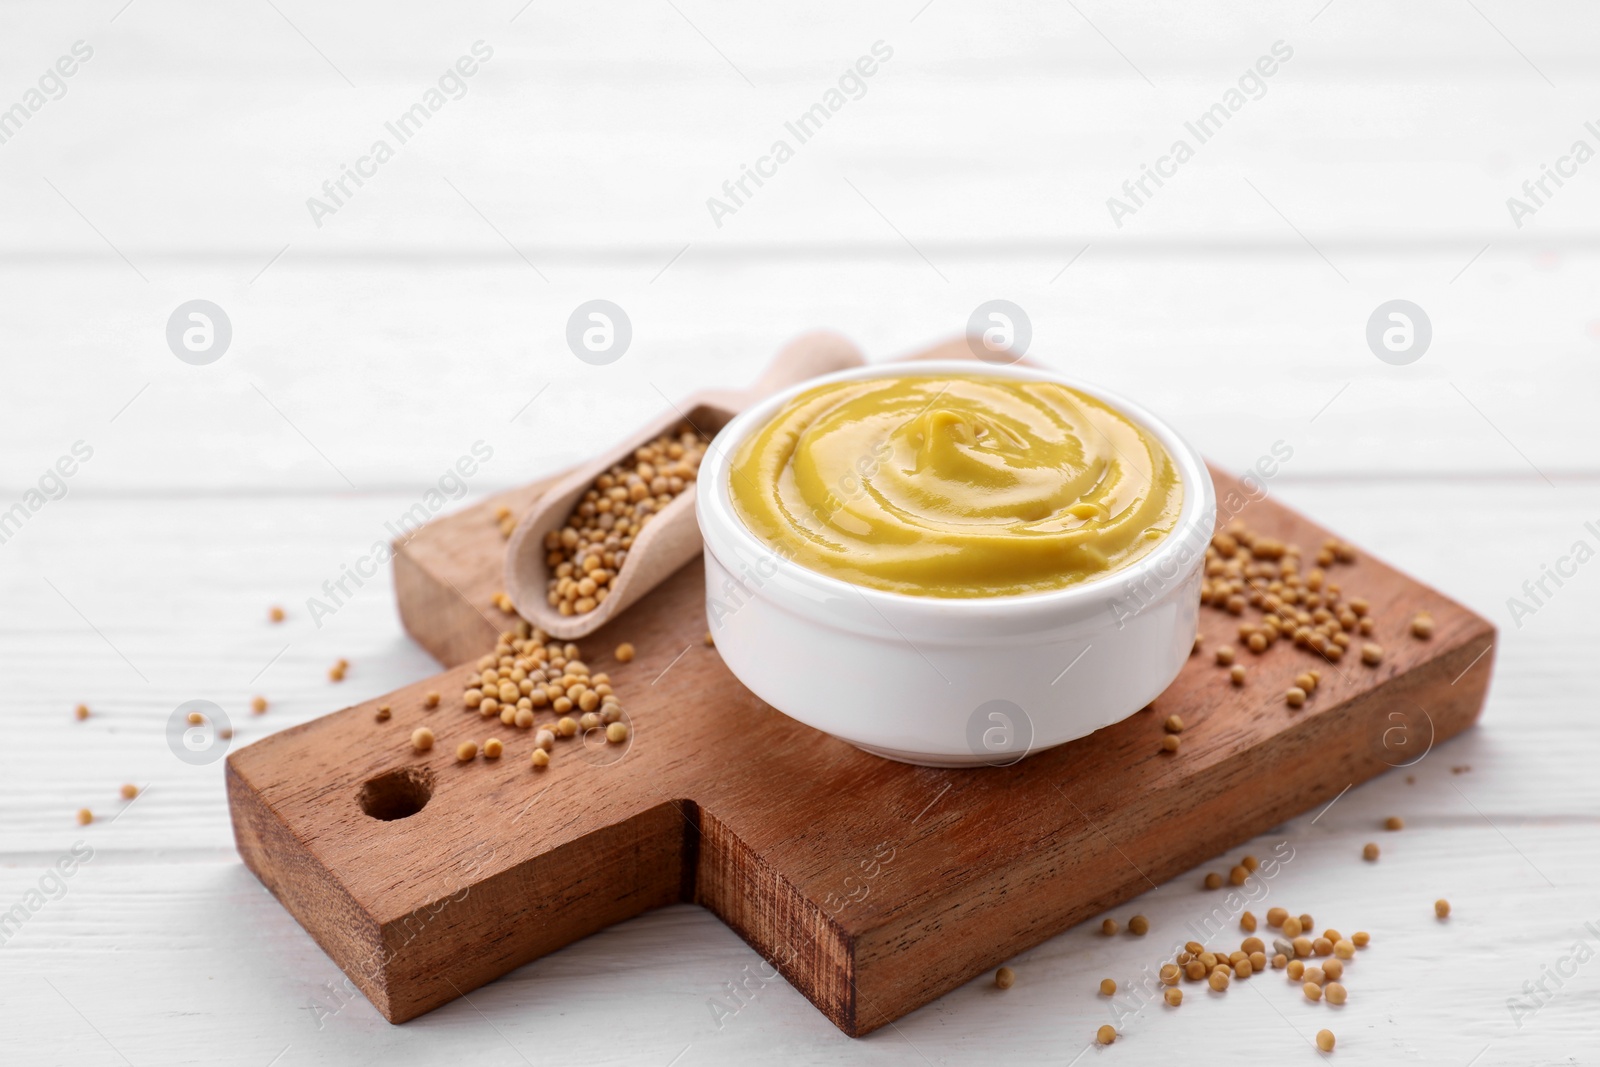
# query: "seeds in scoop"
(422, 739)
(1369, 851)
(1394, 822)
(492, 748)
(1312, 991)
(1225, 656)
(1236, 674)
(540, 758)
(1422, 626)
(1109, 927)
(1213, 880)
(275, 613)
(1174, 997)
(1106, 1034)
(258, 704)
(1295, 697)
(1174, 725)
(129, 791)
(1275, 917)
(1218, 980)
(1360, 939)
(1371, 654)
(1325, 1040)
(1138, 926)
(1170, 743)
(1441, 908)
(1108, 988)
(1005, 978)
(1247, 922)
(81, 712)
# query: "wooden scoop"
(672, 538)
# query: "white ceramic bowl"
(943, 681)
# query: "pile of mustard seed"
(585, 555)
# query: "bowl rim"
(1196, 515)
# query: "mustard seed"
(1306, 924)
(1247, 922)
(1174, 724)
(1250, 863)
(1218, 980)
(1174, 997)
(617, 733)
(1312, 991)
(258, 705)
(1108, 988)
(1237, 674)
(1291, 927)
(1258, 961)
(1109, 927)
(1394, 822)
(544, 739)
(1422, 626)
(1225, 656)
(1360, 939)
(711, 642)
(129, 791)
(492, 748)
(1170, 973)
(1239, 875)
(275, 613)
(1296, 970)
(624, 653)
(566, 727)
(1322, 947)
(1314, 975)
(1251, 945)
(1325, 1040)
(1170, 743)
(422, 739)
(1194, 970)
(1333, 969)
(430, 700)
(1213, 880)
(81, 712)
(1106, 1034)
(540, 758)
(1279, 961)
(1138, 926)
(1295, 697)
(1346, 949)
(195, 718)
(1441, 908)
(85, 816)
(1371, 654)
(1275, 917)
(1005, 978)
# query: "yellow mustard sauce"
(955, 485)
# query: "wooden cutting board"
(873, 886)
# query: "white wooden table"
(428, 312)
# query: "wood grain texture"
(873, 887)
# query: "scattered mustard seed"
(1106, 1034)
(617, 733)
(1275, 917)
(1239, 875)
(711, 642)
(624, 653)
(1174, 997)
(1295, 697)
(1312, 991)
(129, 791)
(85, 816)
(1297, 970)
(1371, 654)
(1170, 743)
(1109, 927)
(422, 739)
(1441, 908)
(492, 748)
(1225, 656)
(275, 613)
(1213, 880)
(382, 714)
(1422, 626)
(1394, 822)
(258, 705)
(1279, 961)
(1218, 980)
(1005, 978)
(1173, 725)
(1250, 863)
(1334, 969)
(1247, 922)
(81, 712)
(1369, 851)
(566, 727)
(196, 719)
(1325, 1040)
(430, 700)
(1138, 926)
(1108, 987)
(540, 758)
(1236, 674)
(1170, 973)
(1360, 939)
(1291, 927)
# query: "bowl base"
(923, 759)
